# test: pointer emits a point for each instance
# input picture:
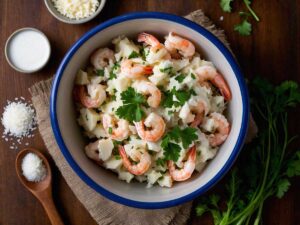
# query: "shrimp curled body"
(222, 129)
(91, 97)
(157, 125)
(148, 88)
(119, 132)
(200, 110)
(92, 151)
(205, 73)
(188, 168)
(101, 58)
(176, 43)
(157, 49)
(141, 167)
(133, 70)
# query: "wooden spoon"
(41, 190)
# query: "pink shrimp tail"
(148, 39)
(148, 70)
(192, 153)
(220, 82)
(122, 152)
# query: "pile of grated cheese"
(33, 168)
(19, 121)
(76, 9)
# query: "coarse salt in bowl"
(71, 141)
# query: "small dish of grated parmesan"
(74, 11)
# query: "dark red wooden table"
(272, 51)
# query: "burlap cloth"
(101, 209)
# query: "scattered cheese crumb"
(33, 168)
(76, 9)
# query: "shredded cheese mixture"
(33, 168)
(76, 9)
(154, 112)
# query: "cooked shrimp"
(119, 132)
(101, 58)
(92, 151)
(133, 70)
(209, 73)
(93, 97)
(222, 129)
(156, 47)
(200, 110)
(175, 43)
(188, 168)
(148, 88)
(141, 167)
(156, 126)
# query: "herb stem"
(251, 10)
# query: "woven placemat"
(101, 209)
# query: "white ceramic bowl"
(71, 141)
(51, 8)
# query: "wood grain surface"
(272, 51)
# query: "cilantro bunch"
(244, 28)
(170, 142)
(266, 165)
(131, 109)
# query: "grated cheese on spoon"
(19, 121)
(33, 168)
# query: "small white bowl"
(25, 46)
(50, 6)
(71, 141)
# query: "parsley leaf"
(282, 188)
(180, 78)
(168, 70)
(181, 95)
(225, 5)
(100, 73)
(172, 150)
(293, 166)
(188, 135)
(244, 28)
(112, 74)
(133, 55)
(144, 53)
(131, 109)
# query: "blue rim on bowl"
(84, 176)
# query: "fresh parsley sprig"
(266, 165)
(170, 142)
(182, 97)
(131, 109)
(244, 28)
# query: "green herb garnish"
(168, 100)
(180, 78)
(100, 73)
(133, 55)
(131, 109)
(186, 136)
(244, 28)
(266, 165)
